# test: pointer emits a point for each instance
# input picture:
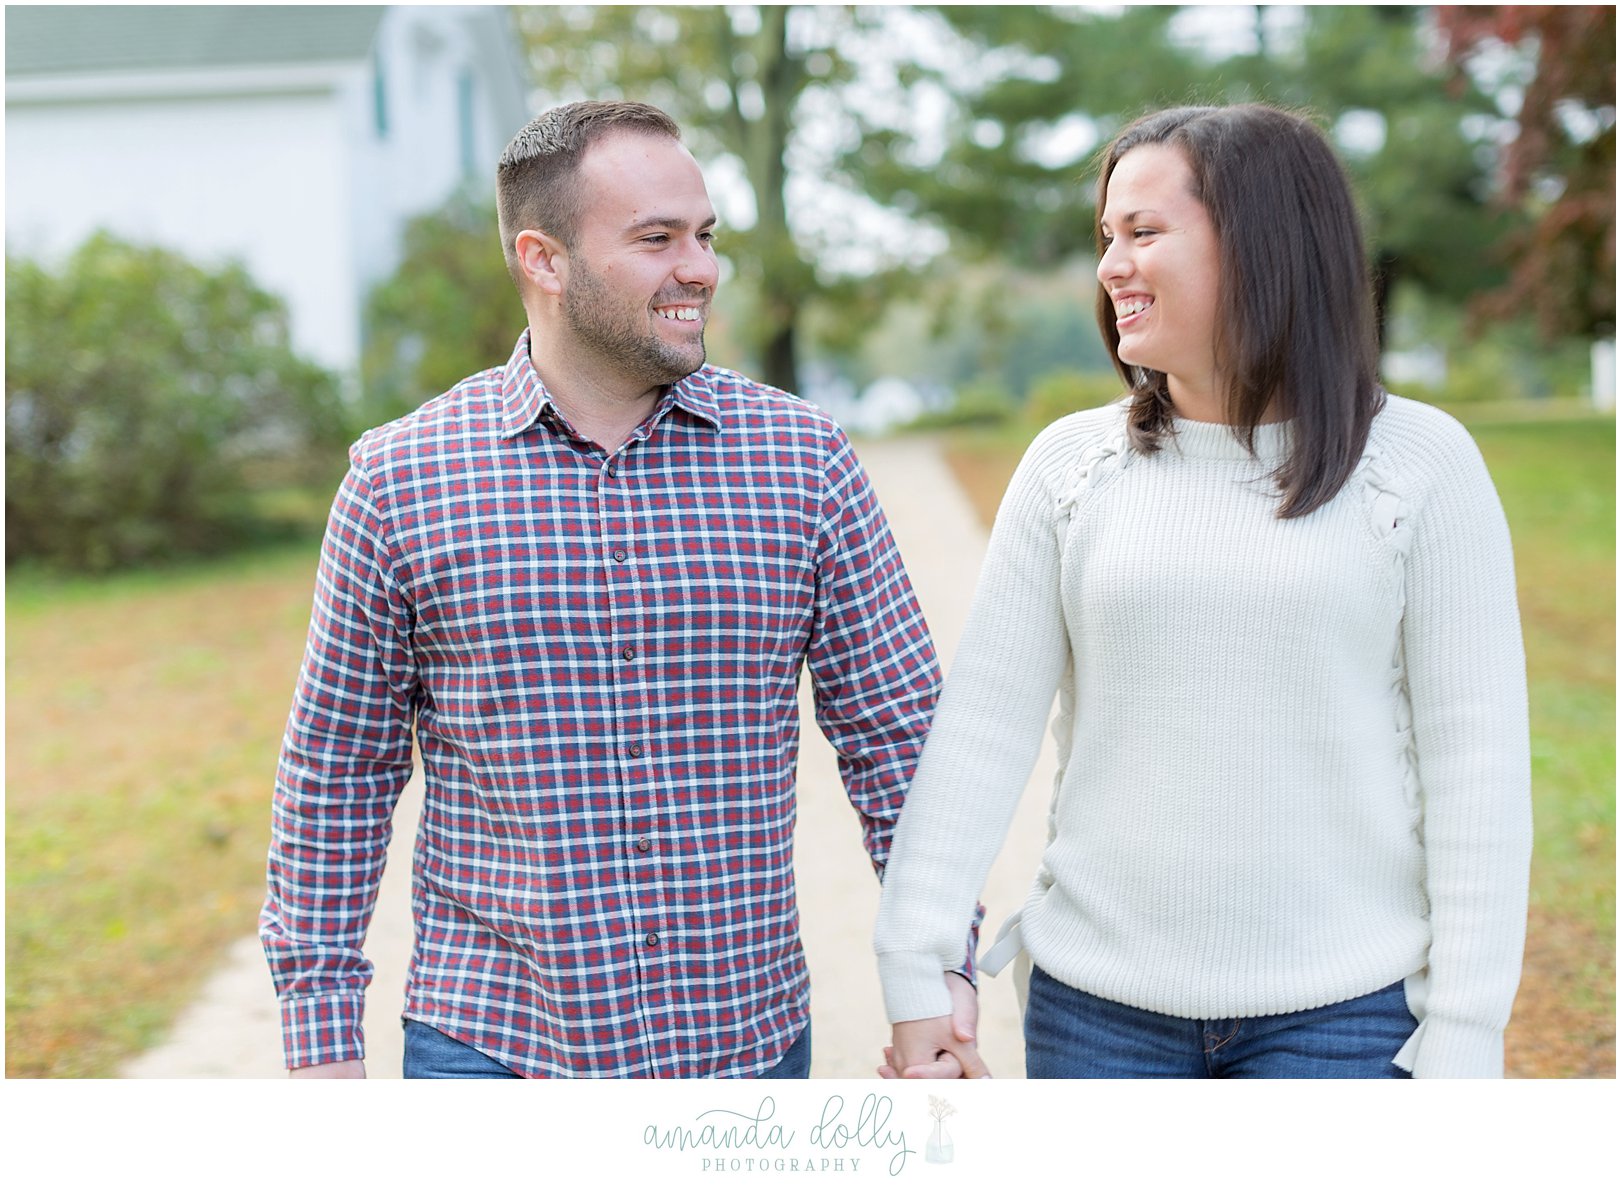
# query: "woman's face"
(1160, 268)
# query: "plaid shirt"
(600, 657)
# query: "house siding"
(280, 166)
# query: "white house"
(297, 139)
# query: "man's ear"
(543, 260)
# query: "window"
(379, 96)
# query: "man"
(588, 581)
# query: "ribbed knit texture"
(1294, 759)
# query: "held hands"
(942, 1048)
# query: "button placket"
(629, 677)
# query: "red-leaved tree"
(1560, 165)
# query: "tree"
(1559, 165)
(786, 93)
(142, 394)
(974, 126)
(1024, 94)
(732, 77)
(1011, 177)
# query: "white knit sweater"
(1293, 754)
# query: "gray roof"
(91, 38)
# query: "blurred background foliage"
(148, 402)
(905, 198)
(939, 134)
(449, 311)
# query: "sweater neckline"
(1209, 439)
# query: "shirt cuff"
(969, 967)
(323, 1028)
(968, 970)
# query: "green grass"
(1557, 482)
(143, 716)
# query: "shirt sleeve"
(345, 759)
(872, 662)
(983, 746)
(1465, 664)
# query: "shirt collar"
(524, 397)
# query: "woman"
(1291, 830)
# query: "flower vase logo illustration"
(939, 1148)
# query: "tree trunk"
(779, 362)
(1386, 267)
(782, 284)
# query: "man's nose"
(698, 265)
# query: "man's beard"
(622, 335)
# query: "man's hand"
(342, 1070)
(942, 1048)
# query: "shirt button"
(635, 750)
(644, 845)
(629, 653)
(652, 940)
(620, 554)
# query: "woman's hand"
(942, 1048)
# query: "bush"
(1498, 370)
(142, 393)
(450, 310)
(1059, 393)
(978, 405)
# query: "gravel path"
(232, 1030)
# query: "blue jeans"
(1070, 1033)
(430, 1054)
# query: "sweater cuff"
(1449, 1048)
(914, 986)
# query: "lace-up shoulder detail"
(1104, 455)
(1386, 506)
(1384, 500)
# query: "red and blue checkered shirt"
(599, 657)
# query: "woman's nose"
(1113, 263)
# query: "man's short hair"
(536, 180)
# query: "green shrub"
(1472, 377)
(450, 310)
(1504, 364)
(1059, 393)
(142, 394)
(980, 404)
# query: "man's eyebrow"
(670, 222)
